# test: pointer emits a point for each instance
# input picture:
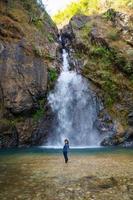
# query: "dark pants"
(65, 156)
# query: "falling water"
(76, 108)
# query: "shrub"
(110, 14)
(86, 30)
(38, 23)
(109, 86)
(53, 75)
(38, 51)
(100, 51)
(11, 122)
(130, 53)
(50, 38)
(128, 68)
(39, 113)
(33, 5)
(113, 35)
(48, 57)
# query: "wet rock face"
(27, 54)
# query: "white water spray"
(76, 108)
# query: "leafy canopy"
(89, 7)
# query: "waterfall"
(76, 109)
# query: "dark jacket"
(66, 148)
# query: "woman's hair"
(66, 140)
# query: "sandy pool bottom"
(47, 177)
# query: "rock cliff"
(101, 49)
(29, 65)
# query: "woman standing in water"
(65, 150)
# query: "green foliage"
(49, 57)
(128, 68)
(79, 7)
(104, 58)
(40, 112)
(89, 7)
(130, 53)
(112, 58)
(40, 52)
(113, 35)
(131, 79)
(86, 30)
(50, 38)
(104, 55)
(11, 122)
(33, 5)
(53, 75)
(99, 51)
(109, 87)
(109, 15)
(38, 23)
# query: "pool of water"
(91, 173)
(43, 150)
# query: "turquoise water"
(58, 151)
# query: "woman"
(65, 150)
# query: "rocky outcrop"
(100, 48)
(28, 55)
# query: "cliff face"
(102, 46)
(29, 62)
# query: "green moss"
(34, 6)
(99, 51)
(38, 23)
(86, 30)
(40, 52)
(102, 61)
(113, 35)
(49, 57)
(109, 87)
(109, 15)
(11, 122)
(103, 55)
(50, 38)
(128, 68)
(130, 53)
(53, 75)
(111, 58)
(39, 113)
(78, 55)
(125, 65)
